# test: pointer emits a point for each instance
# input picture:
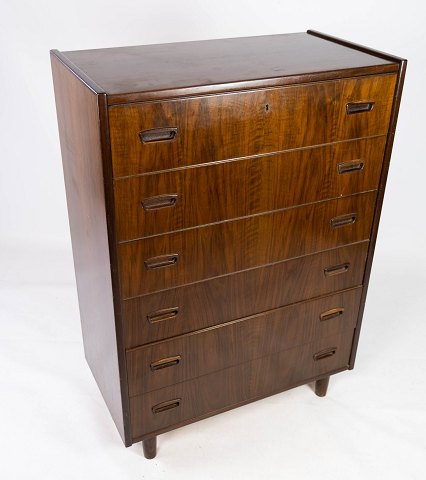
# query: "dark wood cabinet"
(224, 198)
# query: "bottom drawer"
(165, 409)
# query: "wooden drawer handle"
(358, 107)
(328, 352)
(332, 313)
(160, 201)
(158, 134)
(353, 166)
(163, 314)
(161, 261)
(162, 407)
(336, 269)
(165, 363)
(343, 220)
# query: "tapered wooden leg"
(150, 447)
(321, 386)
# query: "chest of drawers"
(224, 199)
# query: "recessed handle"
(159, 201)
(328, 352)
(161, 261)
(347, 167)
(162, 407)
(158, 134)
(343, 220)
(163, 314)
(359, 107)
(336, 269)
(332, 313)
(165, 363)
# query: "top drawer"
(153, 136)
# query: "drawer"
(225, 389)
(203, 304)
(172, 361)
(169, 260)
(163, 202)
(152, 136)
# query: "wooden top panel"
(175, 66)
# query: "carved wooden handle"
(336, 269)
(161, 261)
(328, 352)
(343, 220)
(158, 134)
(163, 314)
(332, 313)
(162, 407)
(353, 166)
(358, 107)
(160, 201)
(165, 363)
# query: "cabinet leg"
(150, 447)
(321, 386)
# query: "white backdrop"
(53, 421)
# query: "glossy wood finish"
(148, 71)
(225, 248)
(222, 241)
(207, 194)
(379, 204)
(321, 387)
(241, 383)
(213, 128)
(78, 110)
(206, 351)
(223, 299)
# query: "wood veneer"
(212, 128)
(203, 304)
(224, 199)
(209, 193)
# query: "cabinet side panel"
(79, 130)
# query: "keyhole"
(267, 107)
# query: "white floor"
(54, 424)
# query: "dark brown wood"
(144, 72)
(213, 349)
(356, 46)
(229, 247)
(240, 383)
(204, 304)
(78, 110)
(150, 447)
(238, 124)
(321, 386)
(208, 194)
(224, 200)
(379, 203)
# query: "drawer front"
(159, 203)
(179, 258)
(155, 136)
(209, 394)
(193, 307)
(172, 361)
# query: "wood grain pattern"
(228, 247)
(213, 128)
(148, 71)
(240, 383)
(223, 299)
(78, 120)
(240, 341)
(222, 191)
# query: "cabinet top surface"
(172, 66)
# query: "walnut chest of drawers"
(224, 199)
